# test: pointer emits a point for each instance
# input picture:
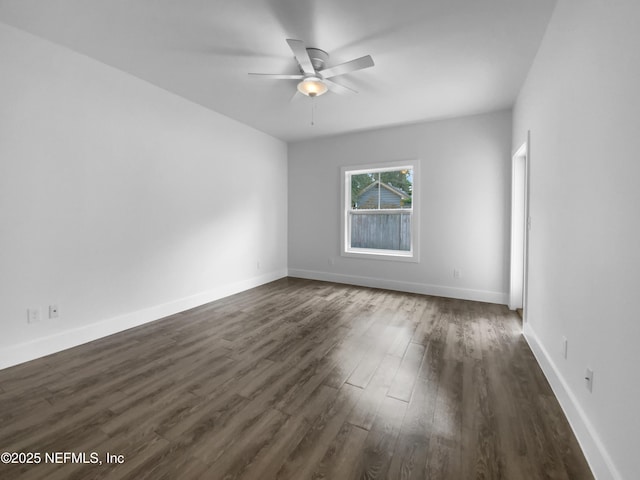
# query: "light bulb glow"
(312, 87)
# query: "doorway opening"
(520, 225)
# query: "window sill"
(389, 255)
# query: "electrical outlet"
(53, 311)
(34, 315)
(258, 265)
(565, 346)
(588, 378)
(456, 273)
(330, 261)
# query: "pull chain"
(313, 111)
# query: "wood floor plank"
(381, 441)
(304, 459)
(344, 459)
(297, 379)
(364, 413)
(348, 357)
(407, 373)
(269, 459)
(246, 447)
(409, 458)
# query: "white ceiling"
(433, 58)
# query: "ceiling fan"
(314, 76)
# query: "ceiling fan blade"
(347, 67)
(277, 76)
(337, 88)
(300, 52)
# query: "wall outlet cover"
(33, 315)
(588, 378)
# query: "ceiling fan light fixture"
(312, 87)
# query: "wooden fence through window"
(381, 230)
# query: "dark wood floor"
(297, 379)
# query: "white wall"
(465, 180)
(581, 102)
(121, 202)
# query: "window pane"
(382, 190)
(360, 185)
(384, 231)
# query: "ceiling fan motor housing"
(318, 58)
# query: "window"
(379, 205)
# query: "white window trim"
(413, 255)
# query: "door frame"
(520, 226)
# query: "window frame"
(413, 254)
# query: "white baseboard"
(592, 446)
(41, 347)
(423, 288)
